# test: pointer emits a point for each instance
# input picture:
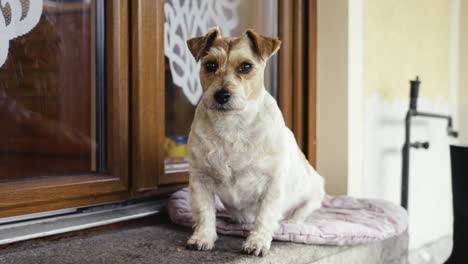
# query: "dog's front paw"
(197, 242)
(256, 245)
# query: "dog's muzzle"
(222, 96)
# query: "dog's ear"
(199, 46)
(263, 46)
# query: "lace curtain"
(17, 17)
(189, 18)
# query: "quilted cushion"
(342, 220)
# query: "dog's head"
(232, 69)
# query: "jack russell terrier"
(240, 148)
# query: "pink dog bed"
(342, 220)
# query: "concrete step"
(162, 242)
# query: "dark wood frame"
(148, 119)
(51, 193)
(147, 93)
(297, 67)
(311, 88)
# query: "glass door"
(49, 95)
(63, 127)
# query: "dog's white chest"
(238, 179)
(227, 161)
(238, 156)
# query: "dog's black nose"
(222, 96)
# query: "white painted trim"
(355, 98)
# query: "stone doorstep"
(47, 224)
(390, 251)
(162, 242)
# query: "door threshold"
(75, 219)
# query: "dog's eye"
(211, 66)
(245, 68)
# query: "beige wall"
(332, 94)
(403, 38)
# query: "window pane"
(183, 20)
(48, 109)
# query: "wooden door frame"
(148, 102)
(297, 68)
(53, 193)
(311, 85)
(147, 52)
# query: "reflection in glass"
(47, 93)
(186, 19)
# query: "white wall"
(463, 73)
(368, 50)
(403, 39)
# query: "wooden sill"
(174, 178)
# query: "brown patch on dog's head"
(233, 64)
(265, 47)
(199, 46)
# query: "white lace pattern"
(189, 18)
(17, 18)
